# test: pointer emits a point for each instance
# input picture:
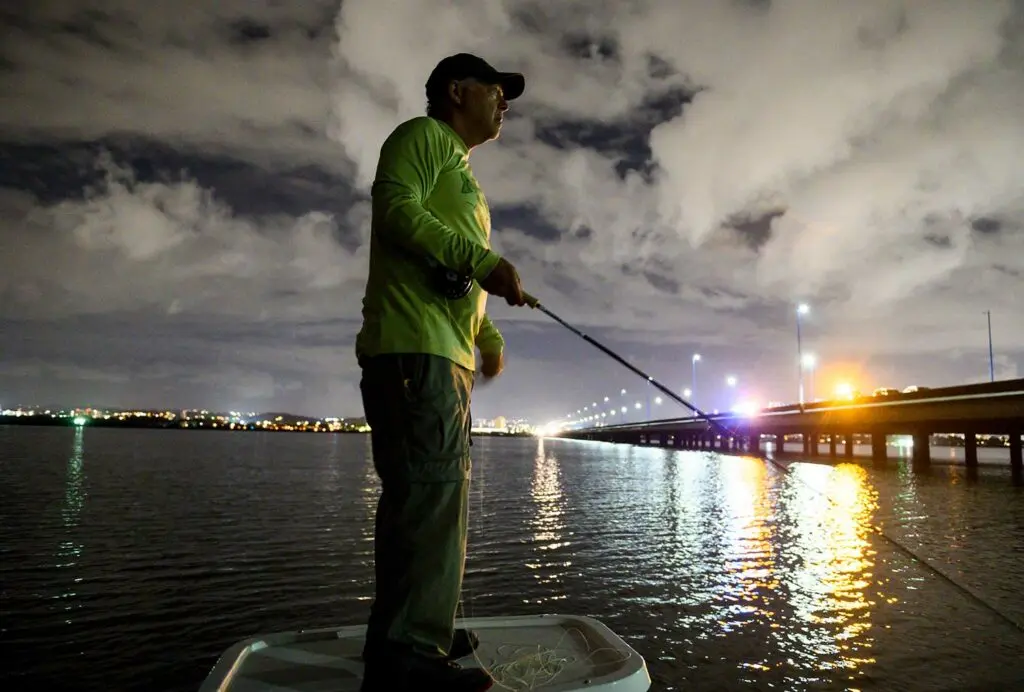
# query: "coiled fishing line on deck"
(520, 667)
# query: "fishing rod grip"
(530, 300)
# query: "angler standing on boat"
(423, 317)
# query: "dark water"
(130, 559)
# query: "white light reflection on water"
(369, 496)
(748, 571)
(695, 523)
(548, 524)
(69, 551)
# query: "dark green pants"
(417, 407)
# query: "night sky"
(184, 194)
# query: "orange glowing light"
(844, 390)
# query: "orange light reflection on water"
(832, 581)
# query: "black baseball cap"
(464, 66)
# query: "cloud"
(245, 77)
(173, 247)
(677, 176)
(882, 132)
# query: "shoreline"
(142, 423)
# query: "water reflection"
(748, 574)
(691, 540)
(69, 551)
(830, 560)
(368, 497)
(548, 524)
(370, 486)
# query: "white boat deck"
(555, 653)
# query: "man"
(423, 315)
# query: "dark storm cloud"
(55, 172)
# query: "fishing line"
(536, 304)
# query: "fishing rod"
(536, 305)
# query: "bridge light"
(745, 408)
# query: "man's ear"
(455, 92)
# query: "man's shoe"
(464, 643)
(411, 673)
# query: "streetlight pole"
(801, 309)
(808, 361)
(991, 360)
(693, 378)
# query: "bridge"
(995, 408)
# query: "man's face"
(484, 106)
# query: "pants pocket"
(421, 404)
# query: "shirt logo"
(468, 188)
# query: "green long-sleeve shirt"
(426, 203)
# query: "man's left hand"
(493, 364)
